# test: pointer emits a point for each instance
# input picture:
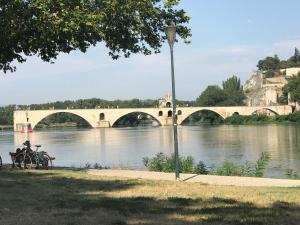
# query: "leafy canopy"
(48, 27)
(271, 65)
(293, 88)
(231, 95)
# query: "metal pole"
(174, 116)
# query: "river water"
(126, 147)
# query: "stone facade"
(261, 91)
(165, 102)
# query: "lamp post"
(171, 35)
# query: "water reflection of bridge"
(98, 118)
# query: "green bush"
(248, 170)
(227, 169)
(201, 168)
(254, 119)
(163, 163)
(291, 174)
(294, 117)
(261, 164)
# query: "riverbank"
(75, 197)
(263, 119)
(6, 127)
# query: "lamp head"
(171, 34)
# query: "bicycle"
(27, 159)
(41, 158)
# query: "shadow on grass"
(44, 192)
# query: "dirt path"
(207, 179)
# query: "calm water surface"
(125, 147)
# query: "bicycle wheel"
(47, 162)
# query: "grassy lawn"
(65, 197)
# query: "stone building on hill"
(262, 91)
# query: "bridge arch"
(113, 123)
(35, 122)
(263, 111)
(201, 110)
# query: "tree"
(295, 59)
(293, 88)
(211, 96)
(269, 64)
(297, 56)
(234, 91)
(231, 95)
(48, 27)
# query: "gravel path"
(207, 179)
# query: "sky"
(229, 37)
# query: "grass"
(66, 197)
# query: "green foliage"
(187, 164)
(294, 117)
(249, 169)
(6, 115)
(46, 28)
(203, 117)
(211, 96)
(292, 174)
(293, 88)
(261, 164)
(228, 169)
(234, 91)
(239, 119)
(231, 95)
(201, 168)
(271, 65)
(163, 163)
(255, 119)
(66, 119)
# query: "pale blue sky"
(229, 37)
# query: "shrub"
(261, 164)
(164, 163)
(291, 174)
(249, 169)
(158, 163)
(228, 169)
(294, 117)
(201, 168)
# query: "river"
(126, 147)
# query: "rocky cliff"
(262, 91)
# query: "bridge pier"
(103, 124)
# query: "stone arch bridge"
(99, 118)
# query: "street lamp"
(171, 36)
